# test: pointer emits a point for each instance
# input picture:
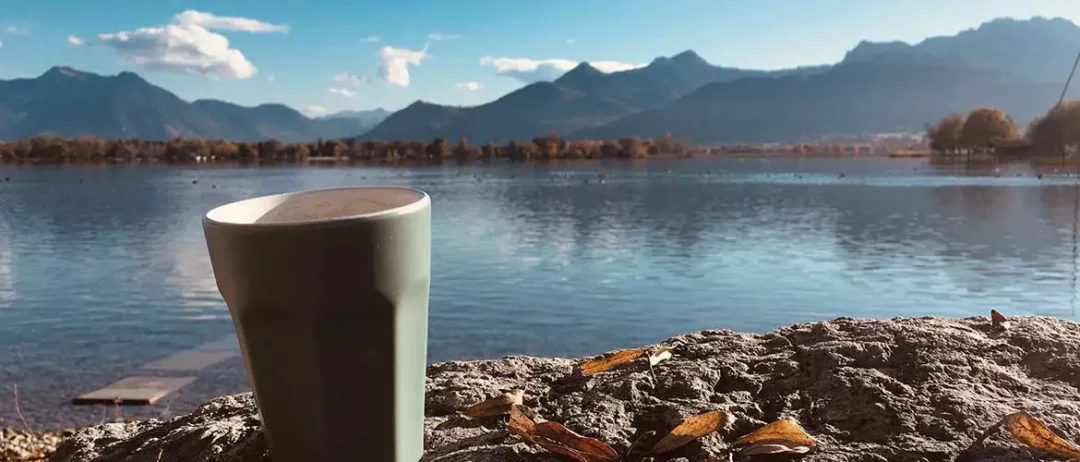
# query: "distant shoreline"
(342, 162)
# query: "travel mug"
(328, 292)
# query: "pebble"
(18, 444)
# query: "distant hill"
(1018, 65)
(370, 117)
(885, 93)
(581, 98)
(67, 102)
(539, 108)
(1038, 49)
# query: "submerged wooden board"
(189, 360)
(134, 390)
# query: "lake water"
(104, 268)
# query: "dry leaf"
(1034, 433)
(786, 432)
(556, 438)
(660, 355)
(521, 424)
(691, 429)
(498, 405)
(615, 359)
(592, 450)
(998, 320)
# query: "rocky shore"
(922, 389)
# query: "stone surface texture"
(917, 389)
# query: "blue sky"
(350, 54)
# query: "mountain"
(67, 102)
(370, 117)
(536, 109)
(1039, 49)
(884, 93)
(1018, 65)
(581, 98)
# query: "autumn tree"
(461, 151)
(945, 136)
(438, 148)
(548, 146)
(1057, 130)
(984, 125)
(334, 148)
(631, 147)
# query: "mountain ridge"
(1008, 62)
(64, 101)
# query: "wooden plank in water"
(189, 360)
(134, 390)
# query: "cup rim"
(422, 201)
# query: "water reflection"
(112, 271)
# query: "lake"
(104, 268)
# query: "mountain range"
(67, 102)
(1018, 65)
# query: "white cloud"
(529, 70)
(16, 30)
(371, 39)
(213, 22)
(75, 41)
(343, 92)
(536, 70)
(184, 49)
(570, 40)
(1, 44)
(188, 46)
(471, 86)
(436, 36)
(316, 110)
(396, 61)
(351, 79)
(614, 66)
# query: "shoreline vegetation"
(990, 133)
(57, 150)
(903, 389)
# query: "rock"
(919, 389)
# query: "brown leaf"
(521, 424)
(785, 431)
(615, 359)
(691, 429)
(498, 405)
(560, 449)
(592, 450)
(998, 320)
(556, 438)
(660, 355)
(1034, 433)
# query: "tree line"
(179, 150)
(1056, 132)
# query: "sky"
(330, 55)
